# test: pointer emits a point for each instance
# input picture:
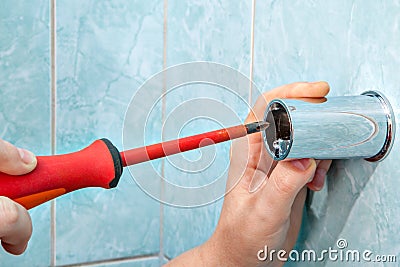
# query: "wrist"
(210, 254)
(227, 247)
(207, 254)
(219, 250)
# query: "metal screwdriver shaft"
(146, 153)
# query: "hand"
(270, 216)
(15, 222)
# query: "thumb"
(15, 161)
(285, 182)
(15, 226)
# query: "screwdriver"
(101, 165)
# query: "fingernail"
(319, 178)
(301, 164)
(26, 156)
(320, 173)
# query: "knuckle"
(4, 152)
(9, 211)
(283, 185)
(8, 160)
(272, 218)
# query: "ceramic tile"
(209, 31)
(300, 41)
(188, 228)
(105, 51)
(342, 43)
(202, 31)
(24, 103)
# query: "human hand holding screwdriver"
(15, 222)
(270, 216)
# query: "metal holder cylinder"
(344, 127)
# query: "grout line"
(165, 33)
(253, 15)
(53, 123)
(163, 111)
(114, 260)
(53, 233)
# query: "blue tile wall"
(354, 45)
(106, 49)
(199, 31)
(24, 103)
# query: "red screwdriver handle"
(98, 165)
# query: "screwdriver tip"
(255, 127)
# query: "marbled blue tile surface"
(105, 50)
(355, 46)
(24, 103)
(202, 31)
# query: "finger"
(300, 90)
(318, 100)
(296, 216)
(250, 167)
(15, 226)
(318, 181)
(286, 180)
(15, 161)
(258, 178)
